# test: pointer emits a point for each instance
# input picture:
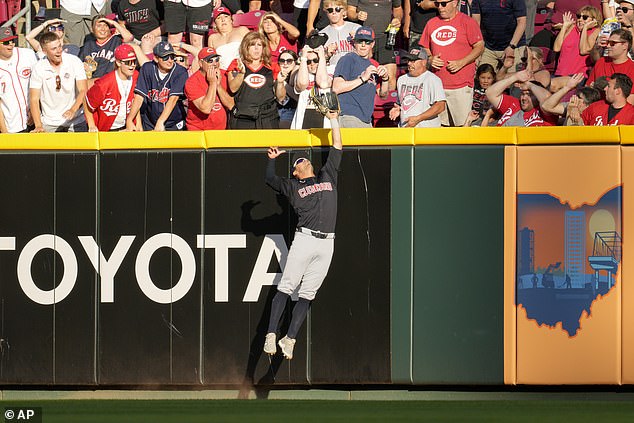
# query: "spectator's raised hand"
(331, 49)
(362, 15)
(575, 80)
(524, 76)
(590, 23)
(568, 20)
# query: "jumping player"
(314, 198)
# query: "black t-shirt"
(314, 199)
(142, 17)
(379, 12)
(612, 112)
(103, 54)
(419, 16)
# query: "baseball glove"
(90, 65)
(325, 101)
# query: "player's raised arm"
(333, 116)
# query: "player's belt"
(316, 234)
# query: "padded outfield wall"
(151, 258)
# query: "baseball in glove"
(90, 65)
(325, 101)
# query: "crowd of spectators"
(170, 65)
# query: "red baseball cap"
(6, 34)
(207, 52)
(124, 52)
(221, 10)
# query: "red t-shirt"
(282, 47)
(510, 106)
(453, 40)
(196, 87)
(605, 67)
(596, 114)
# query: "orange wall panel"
(568, 321)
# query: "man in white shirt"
(15, 71)
(78, 15)
(340, 32)
(421, 97)
(58, 86)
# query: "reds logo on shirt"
(159, 96)
(110, 107)
(409, 101)
(444, 35)
(255, 80)
(217, 107)
(25, 72)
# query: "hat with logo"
(364, 33)
(416, 53)
(6, 34)
(163, 49)
(221, 11)
(207, 52)
(124, 52)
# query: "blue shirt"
(157, 91)
(358, 102)
(498, 20)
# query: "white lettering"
(25, 278)
(106, 268)
(142, 268)
(221, 243)
(272, 243)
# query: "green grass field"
(307, 411)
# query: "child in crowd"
(481, 111)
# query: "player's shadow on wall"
(276, 223)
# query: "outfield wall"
(149, 259)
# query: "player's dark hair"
(623, 82)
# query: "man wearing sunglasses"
(617, 61)
(58, 86)
(15, 71)
(454, 42)
(205, 94)
(314, 199)
(160, 89)
(339, 32)
(625, 14)
(108, 101)
(502, 24)
(356, 79)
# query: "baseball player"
(15, 71)
(314, 198)
(160, 89)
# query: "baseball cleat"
(269, 344)
(286, 345)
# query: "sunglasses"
(58, 83)
(7, 42)
(286, 61)
(298, 161)
(612, 43)
(313, 61)
(213, 59)
(180, 59)
(584, 17)
(624, 9)
(168, 57)
(334, 9)
(54, 28)
(442, 3)
(363, 42)
(129, 62)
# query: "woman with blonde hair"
(253, 80)
(576, 40)
(279, 34)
